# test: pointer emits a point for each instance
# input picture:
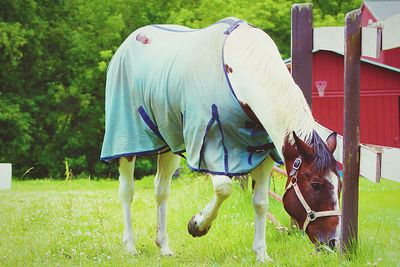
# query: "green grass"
(79, 222)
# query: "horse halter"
(311, 215)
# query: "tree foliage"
(53, 59)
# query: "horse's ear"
(331, 142)
(305, 150)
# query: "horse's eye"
(316, 186)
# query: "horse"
(223, 97)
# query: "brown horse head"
(313, 188)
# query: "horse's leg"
(166, 166)
(126, 168)
(201, 222)
(261, 176)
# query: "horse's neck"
(261, 80)
(284, 113)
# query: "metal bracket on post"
(302, 45)
(351, 140)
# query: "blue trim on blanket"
(230, 174)
(230, 22)
(275, 157)
(214, 118)
(233, 27)
(223, 65)
(173, 30)
(149, 122)
(159, 150)
(223, 140)
(217, 173)
(204, 140)
(179, 151)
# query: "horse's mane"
(297, 115)
(275, 98)
(323, 157)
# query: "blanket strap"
(149, 122)
(256, 149)
(214, 118)
(262, 148)
(253, 126)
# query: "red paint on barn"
(379, 103)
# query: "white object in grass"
(5, 175)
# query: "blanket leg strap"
(214, 118)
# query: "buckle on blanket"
(233, 27)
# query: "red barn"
(379, 98)
(380, 83)
(378, 10)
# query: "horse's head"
(313, 188)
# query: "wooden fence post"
(302, 45)
(351, 141)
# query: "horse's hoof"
(130, 249)
(264, 258)
(194, 230)
(129, 245)
(164, 248)
(166, 252)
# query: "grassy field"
(79, 222)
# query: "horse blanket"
(168, 88)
